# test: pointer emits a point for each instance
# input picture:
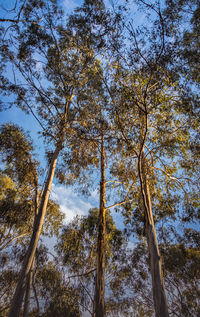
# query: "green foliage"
(78, 241)
(18, 182)
(182, 275)
(77, 249)
(16, 151)
(59, 298)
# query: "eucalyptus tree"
(181, 20)
(93, 20)
(89, 161)
(182, 272)
(77, 247)
(20, 196)
(48, 65)
(156, 133)
(180, 255)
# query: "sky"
(71, 203)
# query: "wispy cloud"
(73, 205)
(70, 203)
(70, 5)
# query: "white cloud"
(70, 203)
(73, 205)
(70, 4)
(38, 66)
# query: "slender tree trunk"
(37, 228)
(36, 297)
(38, 223)
(30, 275)
(99, 289)
(28, 291)
(160, 302)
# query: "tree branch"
(11, 240)
(118, 182)
(83, 274)
(118, 204)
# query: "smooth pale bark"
(99, 289)
(160, 302)
(37, 228)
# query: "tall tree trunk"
(30, 275)
(99, 289)
(28, 291)
(38, 222)
(36, 297)
(160, 302)
(37, 228)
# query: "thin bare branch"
(13, 239)
(83, 274)
(110, 181)
(119, 204)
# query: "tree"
(182, 275)
(140, 131)
(88, 157)
(95, 22)
(181, 272)
(56, 47)
(77, 248)
(152, 150)
(184, 40)
(20, 196)
(144, 85)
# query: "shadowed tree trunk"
(28, 291)
(30, 275)
(99, 289)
